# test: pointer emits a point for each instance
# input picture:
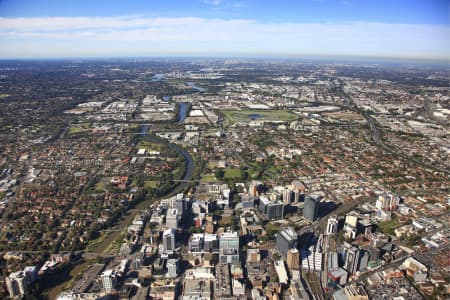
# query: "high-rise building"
(332, 225)
(311, 259)
(172, 268)
(387, 201)
(363, 260)
(229, 247)
(168, 241)
(196, 242)
(288, 196)
(273, 210)
(293, 259)
(203, 242)
(17, 284)
(286, 239)
(109, 280)
(172, 218)
(311, 208)
(210, 242)
(351, 259)
(180, 203)
(253, 188)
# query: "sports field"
(247, 115)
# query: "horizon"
(321, 59)
(411, 30)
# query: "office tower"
(387, 201)
(17, 284)
(253, 188)
(311, 208)
(273, 210)
(172, 218)
(293, 259)
(180, 203)
(311, 259)
(109, 280)
(172, 268)
(288, 196)
(351, 259)
(286, 239)
(196, 242)
(363, 260)
(210, 242)
(168, 241)
(229, 247)
(332, 225)
(297, 194)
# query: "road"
(100, 248)
(394, 264)
(375, 132)
(178, 187)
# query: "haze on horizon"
(416, 29)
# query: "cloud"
(213, 2)
(120, 35)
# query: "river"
(129, 216)
(197, 88)
(189, 161)
(182, 111)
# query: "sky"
(409, 29)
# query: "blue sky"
(79, 28)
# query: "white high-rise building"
(17, 284)
(311, 260)
(351, 259)
(387, 201)
(332, 225)
(172, 218)
(229, 247)
(109, 280)
(172, 268)
(168, 240)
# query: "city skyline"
(388, 29)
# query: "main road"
(101, 247)
(376, 134)
(178, 187)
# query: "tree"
(219, 173)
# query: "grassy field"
(235, 116)
(151, 184)
(233, 173)
(101, 185)
(149, 146)
(388, 227)
(82, 127)
(209, 178)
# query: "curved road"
(99, 249)
(177, 188)
(374, 130)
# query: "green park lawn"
(235, 116)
